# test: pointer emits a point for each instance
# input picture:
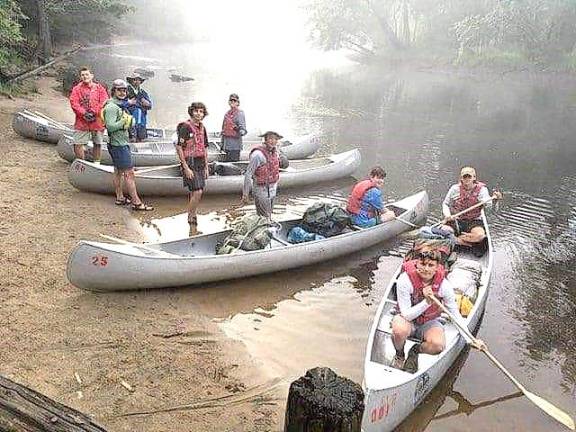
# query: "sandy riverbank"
(51, 330)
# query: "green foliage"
(10, 35)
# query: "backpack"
(251, 232)
(325, 219)
(445, 247)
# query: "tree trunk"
(323, 401)
(44, 50)
(385, 27)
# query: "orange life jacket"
(433, 310)
(466, 200)
(268, 173)
(196, 145)
(229, 125)
(355, 199)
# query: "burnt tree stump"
(23, 409)
(322, 401)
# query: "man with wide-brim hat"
(263, 173)
(138, 105)
(233, 129)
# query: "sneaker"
(397, 362)
(411, 363)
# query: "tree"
(44, 48)
(10, 34)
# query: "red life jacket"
(268, 173)
(196, 145)
(466, 200)
(228, 125)
(355, 199)
(433, 310)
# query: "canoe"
(167, 180)
(38, 126)
(98, 266)
(391, 394)
(164, 153)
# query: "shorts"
(82, 137)
(418, 330)
(461, 226)
(198, 167)
(121, 157)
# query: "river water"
(421, 126)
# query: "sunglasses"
(431, 255)
(466, 176)
(233, 100)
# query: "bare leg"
(401, 329)
(194, 198)
(96, 152)
(79, 151)
(476, 235)
(118, 184)
(131, 186)
(433, 341)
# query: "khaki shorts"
(82, 137)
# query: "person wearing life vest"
(263, 173)
(365, 204)
(139, 103)
(191, 149)
(87, 99)
(418, 316)
(468, 228)
(117, 122)
(233, 129)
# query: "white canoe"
(167, 180)
(164, 153)
(391, 394)
(38, 126)
(100, 266)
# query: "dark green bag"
(251, 232)
(325, 219)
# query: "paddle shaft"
(548, 408)
(145, 170)
(475, 206)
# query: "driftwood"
(39, 69)
(324, 401)
(23, 409)
(180, 78)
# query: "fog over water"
(422, 125)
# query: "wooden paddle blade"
(551, 410)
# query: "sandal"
(142, 207)
(123, 201)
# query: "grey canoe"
(38, 126)
(392, 394)
(164, 153)
(167, 180)
(100, 266)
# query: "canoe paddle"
(137, 245)
(480, 204)
(541, 403)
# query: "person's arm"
(284, 162)
(449, 300)
(447, 201)
(183, 135)
(110, 119)
(78, 109)
(241, 123)
(483, 196)
(374, 199)
(403, 294)
(102, 98)
(256, 159)
(146, 97)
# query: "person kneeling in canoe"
(365, 204)
(468, 227)
(117, 123)
(263, 173)
(418, 316)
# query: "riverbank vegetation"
(535, 34)
(32, 31)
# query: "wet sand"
(165, 349)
